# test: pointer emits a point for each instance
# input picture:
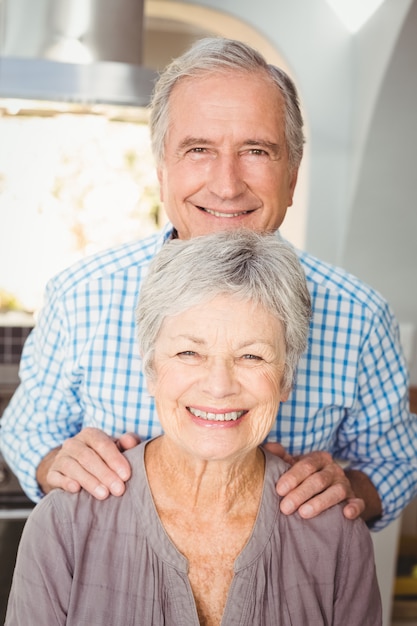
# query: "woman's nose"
(220, 380)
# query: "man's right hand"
(92, 461)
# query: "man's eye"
(197, 153)
(251, 357)
(258, 152)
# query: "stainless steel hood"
(75, 51)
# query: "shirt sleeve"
(379, 436)
(45, 409)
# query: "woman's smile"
(216, 416)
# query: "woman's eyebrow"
(196, 340)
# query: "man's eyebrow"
(190, 141)
(271, 146)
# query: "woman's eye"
(251, 357)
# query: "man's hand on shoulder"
(316, 482)
(92, 461)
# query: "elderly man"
(227, 138)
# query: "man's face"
(226, 163)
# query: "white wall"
(380, 242)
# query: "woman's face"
(217, 379)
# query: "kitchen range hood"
(86, 52)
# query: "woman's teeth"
(217, 417)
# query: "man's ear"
(292, 183)
(160, 181)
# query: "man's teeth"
(217, 417)
(218, 214)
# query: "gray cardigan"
(82, 562)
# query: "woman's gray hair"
(216, 54)
(260, 268)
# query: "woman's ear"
(150, 384)
(149, 376)
(285, 395)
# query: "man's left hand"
(314, 483)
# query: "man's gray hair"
(216, 54)
(260, 268)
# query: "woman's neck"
(199, 484)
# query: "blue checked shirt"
(80, 367)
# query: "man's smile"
(220, 214)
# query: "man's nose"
(227, 180)
(220, 380)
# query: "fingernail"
(283, 488)
(117, 488)
(123, 474)
(307, 510)
(286, 507)
(101, 492)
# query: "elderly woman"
(198, 538)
